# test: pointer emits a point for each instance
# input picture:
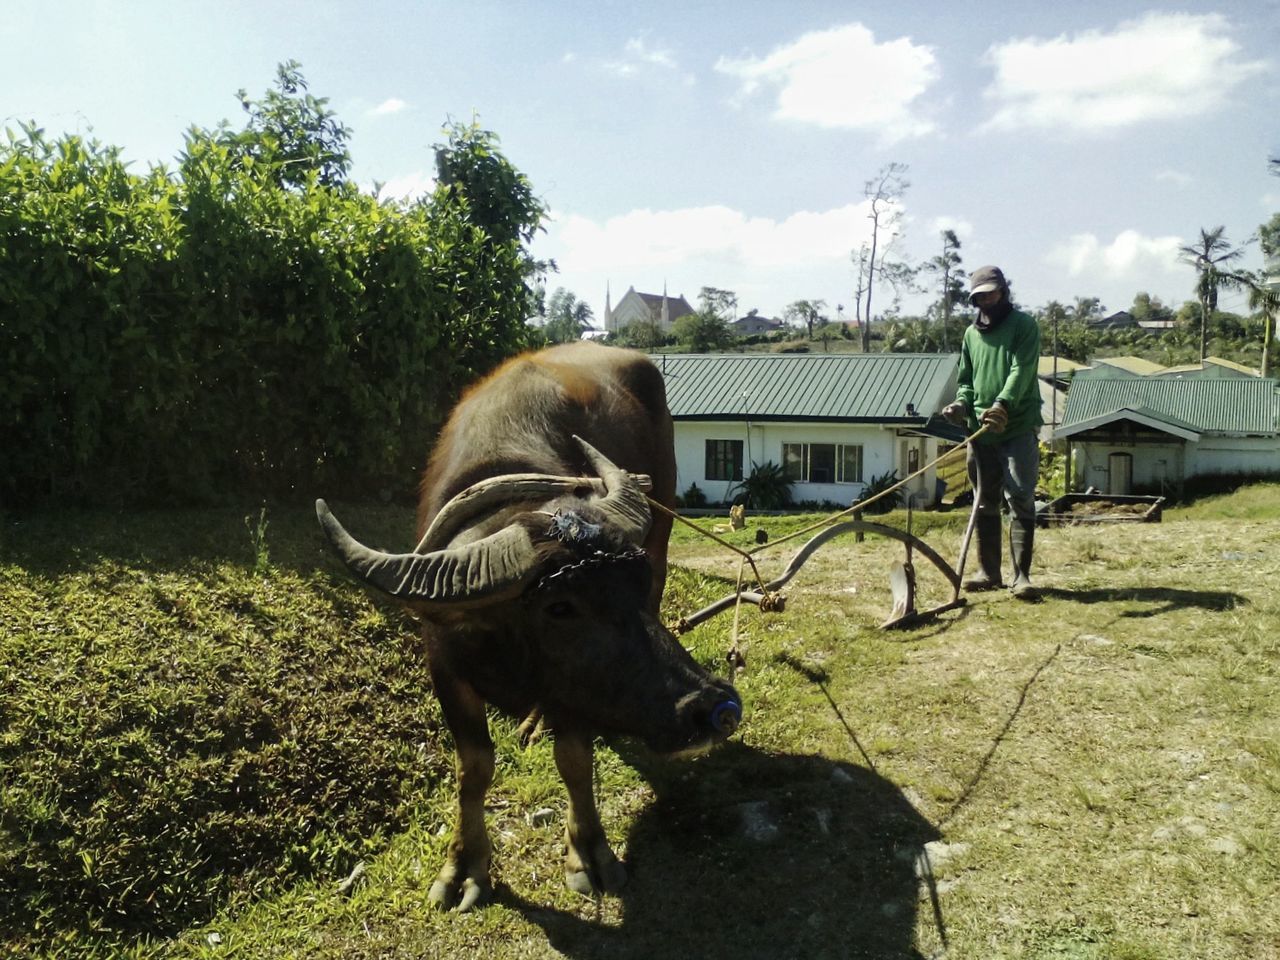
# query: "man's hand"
(996, 416)
(956, 413)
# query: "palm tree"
(1211, 256)
(1266, 301)
(567, 317)
(1085, 309)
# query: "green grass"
(1097, 775)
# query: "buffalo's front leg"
(590, 867)
(464, 880)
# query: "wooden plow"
(902, 573)
(902, 578)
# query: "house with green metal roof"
(1155, 433)
(1121, 367)
(832, 421)
(1209, 367)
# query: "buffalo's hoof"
(449, 895)
(610, 877)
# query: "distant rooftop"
(1233, 406)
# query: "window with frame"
(822, 462)
(723, 460)
(849, 463)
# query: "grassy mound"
(188, 725)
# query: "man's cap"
(985, 279)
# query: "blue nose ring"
(726, 716)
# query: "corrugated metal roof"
(1222, 405)
(839, 386)
(1211, 367)
(1137, 365)
(1065, 365)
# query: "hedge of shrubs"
(249, 323)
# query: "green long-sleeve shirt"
(1000, 364)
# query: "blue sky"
(727, 144)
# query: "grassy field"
(205, 728)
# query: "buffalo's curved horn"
(495, 568)
(509, 488)
(624, 502)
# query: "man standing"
(997, 385)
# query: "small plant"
(877, 486)
(767, 488)
(1053, 472)
(694, 496)
(258, 539)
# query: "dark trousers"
(1009, 469)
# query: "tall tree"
(860, 258)
(1053, 315)
(567, 317)
(884, 191)
(807, 312)
(1211, 256)
(1086, 309)
(1264, 295)
(946, 265)
(722, 303)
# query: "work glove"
(956, 413)
(996, 416)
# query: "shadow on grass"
(1160, 599)
(763, 855)
(68, 542)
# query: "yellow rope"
(748, 555)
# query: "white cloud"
(391, 105)
(1176, 177)
(1271, 201)
(842, 78)
(655, 238)
(638, 57)
(768, 262)
(1160, 67)
(410, 186)
(1129, 257)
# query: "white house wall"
(1156, 466)
(882, 451)
(1233, 455)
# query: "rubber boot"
(988, 575)
(1022, 542)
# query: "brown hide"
(574, 639)
(523, 416)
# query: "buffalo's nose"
(725, 716)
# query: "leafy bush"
(877, 486)
(1053, 472)
(250, 324)
(766, 488)
(695, 496)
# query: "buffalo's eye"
(561, 609)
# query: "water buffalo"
(537, 579)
